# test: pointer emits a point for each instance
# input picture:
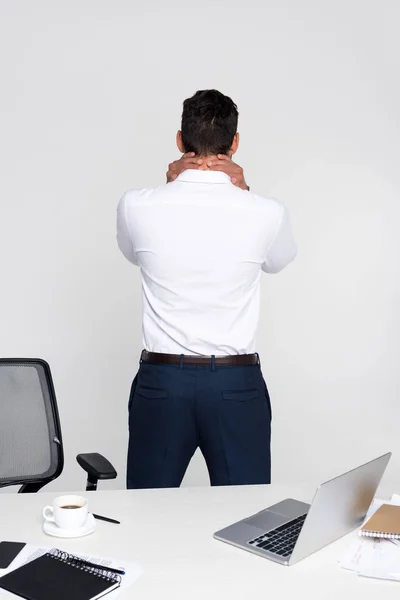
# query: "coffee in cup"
(68, 512)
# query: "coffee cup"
(68, 512)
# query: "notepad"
(385, 523)
(59, 576)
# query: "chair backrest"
(31, 452)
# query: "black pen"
(87, 563)
(100, 518)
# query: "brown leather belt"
(188, 359)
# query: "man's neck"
(206, 160)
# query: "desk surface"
(169, 533)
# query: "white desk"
(169, 533)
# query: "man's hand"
(221, 162)
(188, 161)
(225, 164)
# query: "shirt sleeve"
(283, 248)
(123, 236)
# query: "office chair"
(31, 450)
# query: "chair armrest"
(96, 466)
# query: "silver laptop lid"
(339, 506)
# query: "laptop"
(291, 530)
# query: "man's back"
(201, 244)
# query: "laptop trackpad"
(266, 520)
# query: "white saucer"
(52, 529)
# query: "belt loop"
(181, 359)
(258, 360)
(141, 357)
(213, 362)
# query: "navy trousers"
(224, 411)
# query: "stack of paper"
(375, 557)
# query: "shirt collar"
(197, 176)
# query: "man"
(201, 243)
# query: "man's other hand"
(225, 164)
(188, 161)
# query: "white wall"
(91, 95)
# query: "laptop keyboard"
(281, 540)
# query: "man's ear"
(235, 145)
(179, 142)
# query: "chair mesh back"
(28, 424)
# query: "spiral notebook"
(385, 523)
(58, 575)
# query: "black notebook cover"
(59, 577)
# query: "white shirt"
(201, 244)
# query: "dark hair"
(209, 123)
